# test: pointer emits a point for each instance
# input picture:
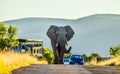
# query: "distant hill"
(95, 33)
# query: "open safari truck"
(33, 46)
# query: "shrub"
(115, 51)
(48, 54)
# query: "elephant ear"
(52, 32)
(70, 32)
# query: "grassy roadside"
(10, 61)
(111, 62)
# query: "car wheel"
(80, 63)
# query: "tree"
(48, 54)
(94, 55)
(3, 30)
(86, 58)
(12, 40)
(115, 51)
(8, 36)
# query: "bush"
(48, 54)
(67, 55)
(111, 64)
(115, 51)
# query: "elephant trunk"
(63, 47)
(63, 44)
(67, 51)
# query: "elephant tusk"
(56, 44)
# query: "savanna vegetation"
(10, 60)
(48, 55)
(115, 51)
(113, 60)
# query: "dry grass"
(10, 61)
(92, 62)
(111, 62)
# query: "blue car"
(77, 59)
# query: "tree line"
(114, 52)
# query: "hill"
(95, 33)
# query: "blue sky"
(68, 9)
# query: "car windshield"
(77, 56)
(66, 60)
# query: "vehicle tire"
(71, 63)
(76, 63)
(81, 64)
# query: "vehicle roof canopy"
(29, 40)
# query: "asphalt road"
(66, 69)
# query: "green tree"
(115, 51)
(7, 36)
(3, 30)
(86, 58)
(48, 54)
(94, 55)
(12, 32)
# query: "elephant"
(59, 36)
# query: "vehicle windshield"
(77, 56)
(66, 60)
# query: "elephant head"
(59, 37)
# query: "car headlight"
(83, 61)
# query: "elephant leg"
(61, 56)
(55, 53)
(61, 61)
(56, 60)
(56, 57)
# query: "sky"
(67, 9)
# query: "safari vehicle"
(33, 46)
(77, 59)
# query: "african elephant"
(59, 37)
